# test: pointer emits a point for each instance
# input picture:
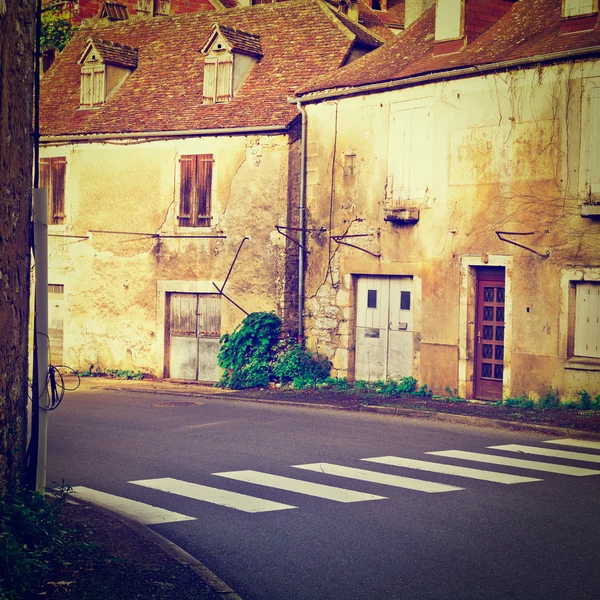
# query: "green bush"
(250, 347)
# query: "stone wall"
(16, 86)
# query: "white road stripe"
(138, 511)
(301, 487)
(549, 452)
(423, 465)
(383, 478)
(578, 443)
(515, 462)
(196, 491)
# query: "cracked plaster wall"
(508, 153)
(111, 280)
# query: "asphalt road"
(488, 540)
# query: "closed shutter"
(86, 88)
(164, 7)
(209, 87)
(52, 177)
(594, 166)
(186, 189)
(397, 154)
(587, 320)
(578, 7)
(98, 86)
(195, 204)
(57, 202)
(224, 79)
(410, 156)
(204, 179)
(420, 153)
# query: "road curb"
(171, 549)
(384, 410)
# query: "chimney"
(413, 9)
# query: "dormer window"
(229, 54)
(104, 67)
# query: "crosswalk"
(502, 456)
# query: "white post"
(40, 232)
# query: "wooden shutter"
(224, 78)
(594, 165)
(163, 7)
(86, 88)
(419, 157)
(587, 320)
(52, 177)
(398, 153)
(98, 86)
(204, 184)
(57, 202)
(578, 7)
(186, 189)
(209, 87)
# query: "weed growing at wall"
(551, 400)
(111, 373)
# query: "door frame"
(485, 275)
(467, 285)
(163, 287)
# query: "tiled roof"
(372, 21)
(164, 93)
(530, 28)
(240, 41)
(394, 14)
(114, 54)
(362, 36)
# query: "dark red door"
(489, 334)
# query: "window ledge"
(590, 210)
(407, 215)
(581, 363)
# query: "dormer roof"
(165, 92)
(110, 53)
(234, 40)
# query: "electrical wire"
(55, 385)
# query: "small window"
(404, 300)
(371, 298)
(587, 319)
(195, 190)
(52, 177)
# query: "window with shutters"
(52, 177)
(587, 319)
(575, 8)
(409, 153)
(93, 85)
(195, 190)
(218, 77)
(594, 146)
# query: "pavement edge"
(173, 550)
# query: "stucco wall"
(507, 154)
(114, 283)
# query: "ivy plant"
(56, 31)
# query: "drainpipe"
(302, 232)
